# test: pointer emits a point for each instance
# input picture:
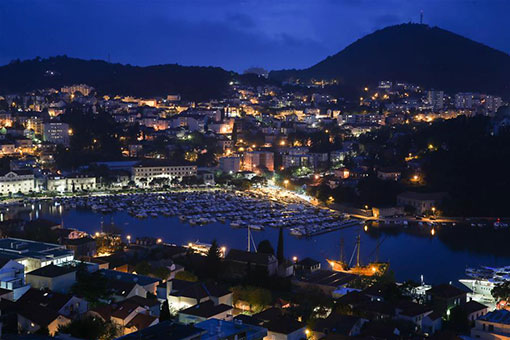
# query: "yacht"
(482, 280)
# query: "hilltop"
(192, 82)
(428, 56)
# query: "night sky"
(233, 34)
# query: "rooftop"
(166, 330)
(206, 309)
(328, 278)
(142, 280)
(498, 316)
(52, 271)
(13, 248)
(445, 291)
(230, 328)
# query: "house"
(39, 309)
(33, 318)
(285, 328)
(432, 323)
(124, 312)
(266, 262)
(81, 247)
(227, 330)
(346, 325)
(474, 310)
(148, 283)
(493, 325)
(389, 174)
(183, 294)
(12, 278)
(139, 322)
(167, 330)
(421, 202)
(307, 265)
(121, 290)
(205, 311)
(52, 277)
(444, 297)
(412, 312)
(67, 305)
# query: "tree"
(165, 312)
(279, 251)
(213, 260)
(265, 247)
(184, 275)
(90, 328)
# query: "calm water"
(441, 258)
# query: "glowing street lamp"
(129, 239)
(294, 259)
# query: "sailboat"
(372, 269)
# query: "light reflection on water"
(440, 258)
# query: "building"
(205, 311)
(388, 174)
(82, 246)
(82, 88)
(183, 294)
(464, 100)
(56, 132)
(242, 258)
(231, 164)
(19, 181)
(146, 172)
(212, 329)
(167, 330)
(12, 278)
(34, 255)
(222, 330)
(55, 278)
(257, 161)
(444, 297)
(436, 99)
(421, 202)
(327, 281)
(285, 328)
(149, 284)
(493, 325)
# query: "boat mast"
(249, 237)
(358, 241)
(342, 249)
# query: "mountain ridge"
(428, 56)
(192, 82)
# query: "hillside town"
(265, 156)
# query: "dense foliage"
(192, 82)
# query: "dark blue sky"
(234, 34)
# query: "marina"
(254, 209)
(411, 251)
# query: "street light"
(129, 238)
(294, 259)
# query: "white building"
(145, 173)
(71, 184)
(17, 181)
